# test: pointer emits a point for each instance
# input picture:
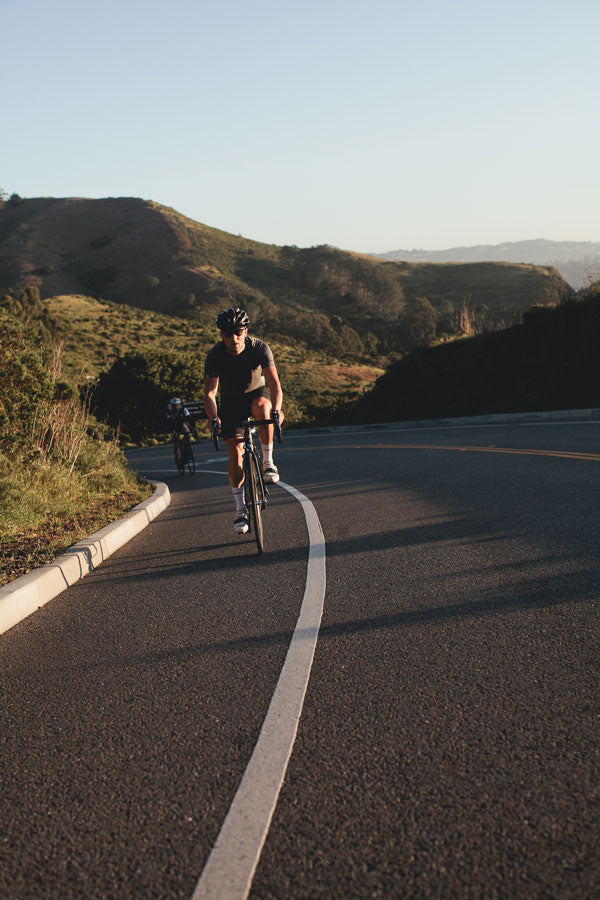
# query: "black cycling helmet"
(231, 318)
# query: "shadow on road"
(533, 593)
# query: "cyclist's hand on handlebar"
(215, 431)
(277, 417)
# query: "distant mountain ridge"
(575, 260)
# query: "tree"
(351, 343)
(370, 343)
(418, 323)
(30, 309)
(134, 393)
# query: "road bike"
(184, 455)
(256, 491)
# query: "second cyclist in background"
(243, 369)
(178, 422)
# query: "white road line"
(231, 865)
(174, 472)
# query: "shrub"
(55, 459)
(25, 381)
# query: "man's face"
(235, 341)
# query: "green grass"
(45, 507)
(62, 474)
(93, 333)
(39, 534)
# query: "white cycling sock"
(267, 454)
(238, 496)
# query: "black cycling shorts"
(235, 409)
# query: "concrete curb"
(24, 595)
(558, 415)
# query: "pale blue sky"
(370, 125)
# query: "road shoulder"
(24, 595)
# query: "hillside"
(95, 333)
(355, 307)
(575, 260)
(550, 361)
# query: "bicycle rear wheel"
(254, 499)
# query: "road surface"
(448, 741)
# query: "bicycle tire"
(189, 458)
(254, 500)
(179, 460)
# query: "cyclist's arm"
(274, 385)
(211, 386)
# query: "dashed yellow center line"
(462, 448)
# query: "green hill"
(355, 307)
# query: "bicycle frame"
(250, 451)
(255, 488)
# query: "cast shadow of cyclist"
(535, 593)
(243, 554)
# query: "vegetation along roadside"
(62, 473)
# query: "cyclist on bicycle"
(177, 420)
(244, 369)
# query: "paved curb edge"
(24, 595)
(525, 418)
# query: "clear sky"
(371, 125)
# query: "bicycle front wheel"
(178, 451)
(189, 459)
(254, 500)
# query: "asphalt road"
(448, 743)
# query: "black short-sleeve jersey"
(238, 374)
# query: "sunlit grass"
(63, 477)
